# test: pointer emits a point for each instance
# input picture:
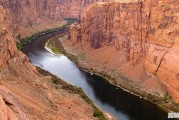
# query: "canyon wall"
(144, 34)
(33, 16)
(25, 18)
(161, 35)
(30, 17)
(24, 93)
(7, 42)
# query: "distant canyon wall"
(30, 16)
(27, 12)
(145, 32)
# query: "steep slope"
(7, 43)
(137, 39)
(25, 94)
(33, 16)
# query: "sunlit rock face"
(20, 19)
(29, 12)
(24, 18)
(7, 41)
(30, 16)
(145, 32)
(161, 34)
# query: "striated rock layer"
(20, 19)
(32, 16)
(138, 39)
(24, 93)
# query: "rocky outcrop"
(20, 19)
(10, 106)
(27, 95)
(7, 41)
(24, 93)
(162, 36)
(115, 23)
(143, 34)
(32, 16)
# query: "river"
(120, 104)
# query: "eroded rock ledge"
(24, 93)
(138, 39)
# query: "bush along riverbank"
(53, 50)
(54, 79)
(73, 90)
(53, 44)
(21, 42)
(165, 103)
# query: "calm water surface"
(118, 103)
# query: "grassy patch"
(71, 20)
(71, 57)
(74, 90)
(54, 49)
(168, 99)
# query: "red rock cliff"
(32, 16)
(144, 34)
(24, 93)
(7, 40)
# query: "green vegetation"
(166, 103)
(168, 98)
(28, 40)
(54, 49)
(74, 90)
(71, 20)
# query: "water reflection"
(117, 102)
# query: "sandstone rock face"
(161, 33)
(11, 108)
(28, 12)
(24, 94)
(7, 41)
(114, 23)
(25, 18)
(33, 15)
(144, 32)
